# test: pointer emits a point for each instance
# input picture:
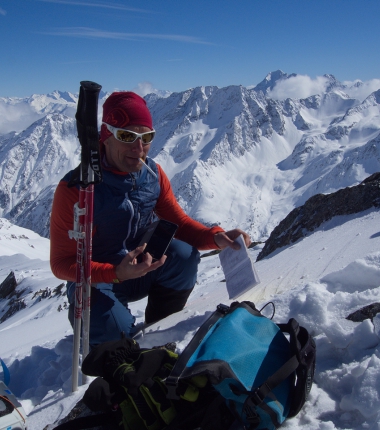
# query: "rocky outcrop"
(19, 299)
(8, 286)
(15, 305)
(321, 208)
(367, 312)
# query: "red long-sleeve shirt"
(63, 249)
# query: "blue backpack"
(263, 376)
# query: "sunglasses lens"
(129, 136)
(147, 137)
(125, 136)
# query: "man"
(128, 199)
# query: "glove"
(140, 372)
(112, 353)
(140, 375)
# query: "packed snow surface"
(318, 280)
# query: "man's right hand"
(130, 268)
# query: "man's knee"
(182, 264)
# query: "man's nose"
(138, 145)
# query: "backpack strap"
(74, 177)
(302, 362)
(172, 380)
(256, 398)
(303, 346)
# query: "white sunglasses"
(128, 136)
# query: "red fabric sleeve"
(63, 250)
(189, 230)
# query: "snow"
(270, 156)
(318, 280)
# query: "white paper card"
(238, 269)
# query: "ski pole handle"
(87, 127)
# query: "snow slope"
(319, 280)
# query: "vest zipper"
(133, 181)
(137, 224)
(130, 223)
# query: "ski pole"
(90, 173)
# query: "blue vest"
(122, 205)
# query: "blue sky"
(173, 45)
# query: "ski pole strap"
(6, 373)
(173, 379)
(87, 127)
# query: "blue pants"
(167, 289)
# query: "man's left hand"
(227, 238)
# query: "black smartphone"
(158, 237)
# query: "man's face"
(125, 156)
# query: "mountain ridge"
(235, 156)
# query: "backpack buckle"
(251, 414)
(171, 384)
(256, 397)
(223, 309)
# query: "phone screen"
(158, 237)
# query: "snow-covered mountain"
(32, 162)
(18, 113)
(270, 155)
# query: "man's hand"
(225, 239)
(130, 268)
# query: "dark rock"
(209, 254)
(8, 286)
(368, 312)
(321, 208)
(14, 307)
(217, 251)
(253, 244)
(42, 294)
(58, 290)
(48, 293)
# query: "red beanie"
(123, 109)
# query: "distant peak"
(63, 95)
(333, 83)
(277, 74)
(271, 79)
